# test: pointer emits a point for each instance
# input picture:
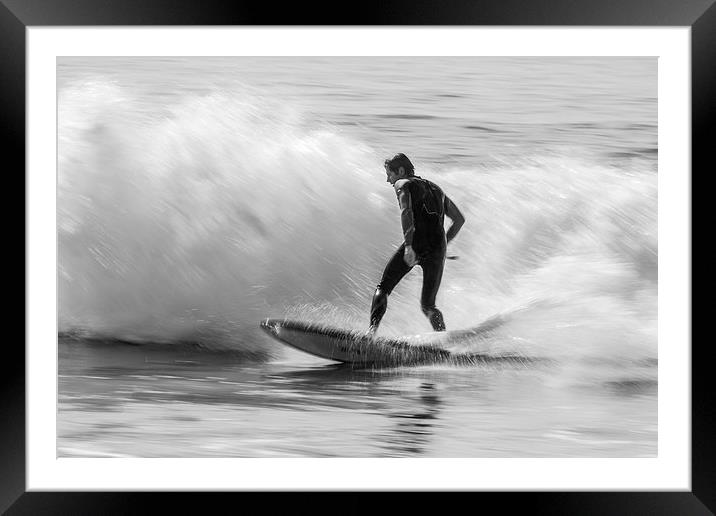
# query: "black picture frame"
(17, 15)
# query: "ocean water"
(198, 196)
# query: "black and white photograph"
(357, 257)
(428, 249)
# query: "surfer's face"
(393, 175)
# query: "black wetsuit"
(429, 243)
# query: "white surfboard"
(354, 347)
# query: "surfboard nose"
(270, 326)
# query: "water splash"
(195, 221)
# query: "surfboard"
(348, 346)
(355, 347)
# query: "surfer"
(423, 207)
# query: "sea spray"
(197, 220)
(170, 228)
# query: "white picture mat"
(669, 471)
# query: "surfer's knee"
(380, 296)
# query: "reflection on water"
(414, 429)
(413, 413)
(128, 401)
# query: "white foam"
(197, 221)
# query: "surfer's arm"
(406, 220)
(457, 219)
(406, 211)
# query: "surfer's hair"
(400, 160)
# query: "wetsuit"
(423, 228)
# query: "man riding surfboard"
(423, 207)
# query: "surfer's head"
(398, 167)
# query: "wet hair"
(400, 160)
